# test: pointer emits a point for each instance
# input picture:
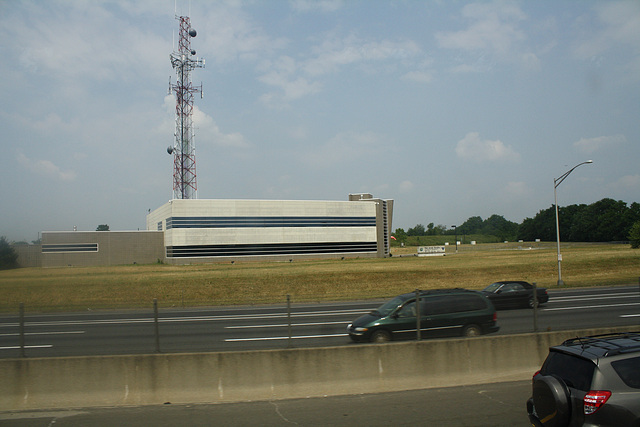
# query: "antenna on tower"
(183, 61)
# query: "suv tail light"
(495, 316)
(594, 400)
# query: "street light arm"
(558, 181)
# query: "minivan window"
(386, 308)
(468, 303)
(575, 371)
(435, 305)
(628, 371)
(409, 310)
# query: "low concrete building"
(198, 230)
(185, 231)
(91, 248)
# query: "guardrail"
(64, 382)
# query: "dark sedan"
(513, 294)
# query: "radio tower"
(184, 155)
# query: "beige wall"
(28, 255)
(114, 248)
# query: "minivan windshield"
(386, 308)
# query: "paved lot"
(501, 404)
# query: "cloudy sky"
(451, 108)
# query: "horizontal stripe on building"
(70, 247)
(269, 249)
(267, 221)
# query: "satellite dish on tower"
(170, 150)
(193, 51)
(193, 32)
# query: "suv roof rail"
(604, 342)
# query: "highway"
(500, 404)
(267, 327)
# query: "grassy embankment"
(473, 267)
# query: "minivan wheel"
(530, 303)
(380, 336)
(471, 331)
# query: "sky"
(453, 109)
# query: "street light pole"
(455, 230)
(556, 182)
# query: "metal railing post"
(418, 315)
(155, 322)
(535, 307)
(22, 352)
(289, 342)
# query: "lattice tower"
(184, 154)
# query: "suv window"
(628, 371)
(575, 371)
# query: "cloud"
(492, 27)
(474, 148)
(347, 147)
(208, 131)
(405, 187)
(516, 188)
(591, 145)
(45, 168)
(101, 47)
(313, 5)
(628, 182)
(619, 24)
(418, 76)
(229, 35)
(334, 53)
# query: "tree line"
(606, 220)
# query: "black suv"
(591, 381)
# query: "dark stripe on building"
(269, 249)
(70, 247)
(269, 221)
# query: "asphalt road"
(251, 328)
(500, 404)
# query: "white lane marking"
(583, 307)
(626, 295)
(26, 346)
(630, 315)
(285, 338)
(43, 333)
(283, 325)
(190, 319)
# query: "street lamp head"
(589, 161)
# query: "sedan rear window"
(575, 371)
(629, 371)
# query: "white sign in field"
(431, 250)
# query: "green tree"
(430, 230)
(400, 235)
(418, 230)
(103, 227)
(8, 256)
(472, 226)
(634, 235)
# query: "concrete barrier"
(68, 382)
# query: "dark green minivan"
(443, 313)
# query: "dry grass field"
(473, 267)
